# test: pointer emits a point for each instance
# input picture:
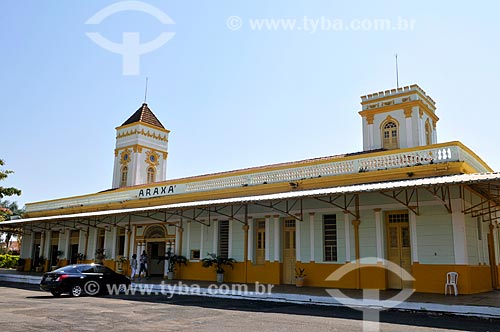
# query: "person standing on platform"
(133, 266)
(144, 265)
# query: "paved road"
(25, 308)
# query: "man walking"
(144, 265)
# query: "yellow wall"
(27, 264)
(432, 278)
(428, 278)
(269, 273)
(368, 276)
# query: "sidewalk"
(482, 305)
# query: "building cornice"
(372, 167)
(166, 131)
(401, 106)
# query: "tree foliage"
(7, 209)
(5, 191)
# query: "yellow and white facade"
(429, 207)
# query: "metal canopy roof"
(487, 184)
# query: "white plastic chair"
(451, 281)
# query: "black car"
(78, 279)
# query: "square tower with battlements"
(398, 118)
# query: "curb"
(158, 289)
(20, 278)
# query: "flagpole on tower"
(397, 74)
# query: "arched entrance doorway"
(155, 237)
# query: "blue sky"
(231, 98)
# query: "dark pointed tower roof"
(144, 115)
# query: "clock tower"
(141, 150)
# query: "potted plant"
(100, 255)
(299, 276)
(172, 259)
(20, 264)
(218, 262)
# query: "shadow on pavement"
(410, 318)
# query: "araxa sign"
(157, 191)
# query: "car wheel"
(56, 293)
(76, 290)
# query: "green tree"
(3, 190)
(7, 209)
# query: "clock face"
(152, 158)
(125, 156)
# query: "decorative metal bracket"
(442, 194)
(343, 205)
(404, 197)
(288, 208)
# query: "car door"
(105, 276)
(89, 275)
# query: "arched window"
(151, 174)
(123, 178)
(390, 135)
(428, 133)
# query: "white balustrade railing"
(338, 166)
(397, 160)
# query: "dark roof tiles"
(144, 115)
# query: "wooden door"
(74, 253)
(53, 255)
(398, 248)
(260, 242)
(36, 249)
(155, 251)
(288, 272)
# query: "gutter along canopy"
(486, 184)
